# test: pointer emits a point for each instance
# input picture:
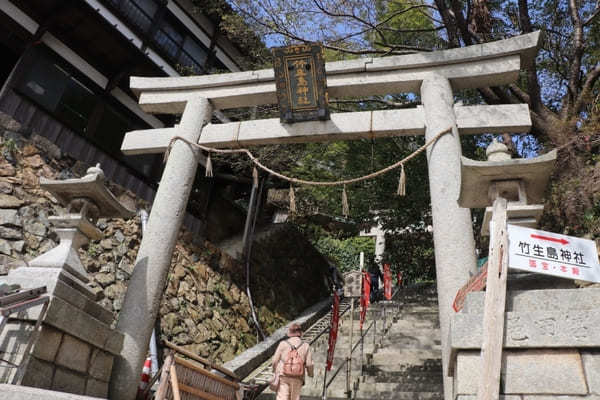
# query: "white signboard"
(552, 254)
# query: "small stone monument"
(75, 349)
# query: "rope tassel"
(209, 167)
(402, 182)
(292, 200)
(345, 207)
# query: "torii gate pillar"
(154, 257)
(453, 239)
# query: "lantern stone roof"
(477, 176)
(90, 187)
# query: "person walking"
(376, 275)
(292, 359)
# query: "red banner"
(364, 299)
(399, 278)
(387, 282)
(333, 329)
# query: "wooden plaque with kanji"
(301, 83)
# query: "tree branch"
(449, 23)
(574, 72)
(489, 96)
(403, 47)
(276, 28)
(461, 23)
(437, 28)
(519, 93)
(592, 17)
(586, 90)
(534, 96)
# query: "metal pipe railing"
(326, 329)
(417, 288)
(345, 363)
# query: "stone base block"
(591, 365)
(38, 374)
(59, 283)
(528, 397)
(75, 349)
(100, 365)
(11, 392)
(534, 372)
(74, 354)
(66, 380)
(49, 340)
(474, 397)
(96, 388)
(539, 300)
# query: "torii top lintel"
(488, 64)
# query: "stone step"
(370, 390)
(426, 366)
(425, 328)
(388, 356)
(381, 390)
(375, 375)
(405, 364)
(379, 396)
(398, 395)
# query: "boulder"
(10, 217)
(10, 233)
(8, 201)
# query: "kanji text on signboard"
(553, 254)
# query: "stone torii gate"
(433, 75)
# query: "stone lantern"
(75, 349)
(509, 185)
(86, 200)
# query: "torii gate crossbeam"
(434, 75)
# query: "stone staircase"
(402, 364)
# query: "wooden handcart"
(195, 378)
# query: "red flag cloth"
(399, 278)
(387, 282)
(364, 299)
(333, 329)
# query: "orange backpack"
(294, 364)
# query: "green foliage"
(9, 145)
(9, 148)
(232, 25)
(343, 251)
(346, 252)
(407, 25)
(355, 28)
(93, 249)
